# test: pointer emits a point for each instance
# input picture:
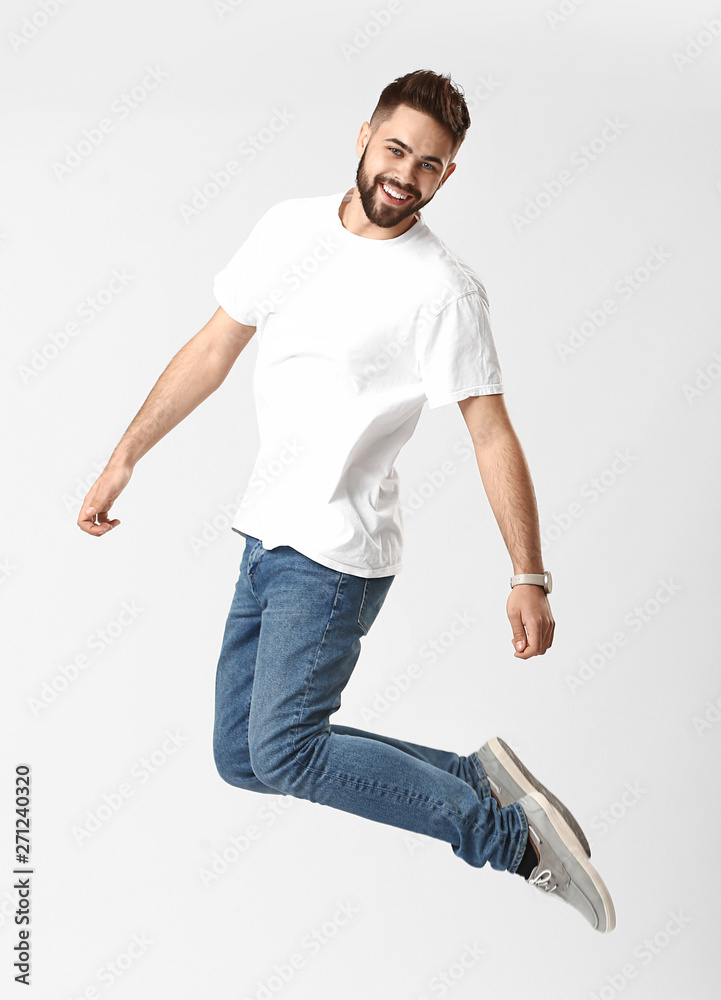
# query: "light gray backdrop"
(588, 198)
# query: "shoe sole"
(578, 857)
(527, 784)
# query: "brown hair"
(431, 93)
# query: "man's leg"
(493, 769)
(313, 619)
(548, 852)
(233, 693)
(234, 681)
(468, 768)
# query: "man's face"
(413, 171)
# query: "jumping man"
(362, 315)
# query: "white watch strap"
(538, 579)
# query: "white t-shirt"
(354, 336)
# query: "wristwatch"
(540, 579)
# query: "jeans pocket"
(374, 594)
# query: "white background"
(630, 740)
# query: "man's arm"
(193, 374)
(509, 488)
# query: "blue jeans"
(291, 641)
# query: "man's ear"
(449, 170)
(363, 138)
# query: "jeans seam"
(311, 672)
(482, 776)
(392, 789)
(522, 847)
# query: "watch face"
(547, 582)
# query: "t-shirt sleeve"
(238, 287)
(456, 354)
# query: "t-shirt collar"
(410, 234)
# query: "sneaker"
(563, 868)
(510, 779)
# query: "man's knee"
(276, 765)
(234, 768)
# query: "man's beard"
(380, 214)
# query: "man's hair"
(430, 93)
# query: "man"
(363, 315)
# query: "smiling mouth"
(391, 199)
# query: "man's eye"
(394, 149)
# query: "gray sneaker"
(510, 779)
(563, 868)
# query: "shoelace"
(541, 880)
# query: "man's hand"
(101, 497)
(531, 620)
